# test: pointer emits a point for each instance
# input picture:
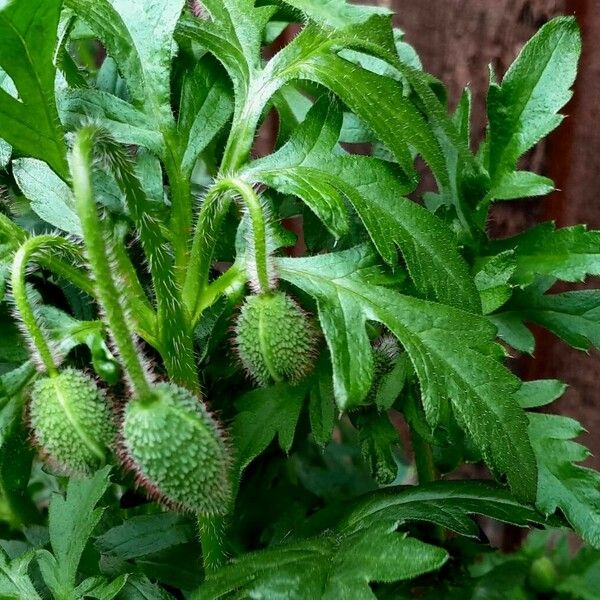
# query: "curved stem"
(259, 232)
(26, 253)
(94, 237)
(213, 212)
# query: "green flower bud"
(177, 451)
(72, 421)
(275, 339)
(542, 575)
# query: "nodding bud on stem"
(177, 450)
(275, 339)
(71, 421)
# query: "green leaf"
(16, 457)
(99, 588)
(30, 124)
(321, 407)
(329, 567)
(572, 316)
(126, 124)
(6, 83)
(139, 587)
(337, 13)
(539, 393)
(51, 198)
(493, 280)
(145, 534)
(521, 184)
(378, 100)
(377, 192)
(233, 35)
(524, 108)
(377, 438)
(563, 485)
(448, 504)
(264, 414)
(568, 254)
(139, 36)
(452, 351)
(72, 520)
(206, 106)
(15, 583)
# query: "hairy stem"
(181, 202)
(174, 331)
(213, 212)
(213, 537)
(94, 237)
(27, 253)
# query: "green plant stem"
(259, 232)
(214, 209)
(94, 237)
(181, 202)
(174, 330)
(213, 538)
(233, 279)
(26, 253)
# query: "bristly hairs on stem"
(45, 354)
(174, 332)
(95, 238)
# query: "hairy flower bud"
(72, 421)
(177, 451)
(275, 339)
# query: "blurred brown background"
(456, 40)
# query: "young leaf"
(309, 162)
(452, 352)
(568, 254)
(31, 123)
(72, 520)
(264, 414)
(51, 198)
(328, 567)
(572, 316)
(524, 108)
(563, 485)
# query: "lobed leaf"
(310, 166)
(562, 484)
(452, 352)
(328, 567)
